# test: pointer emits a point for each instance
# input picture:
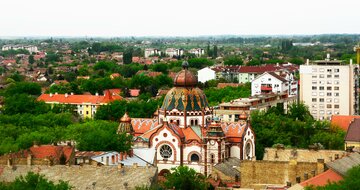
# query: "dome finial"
(185, 65)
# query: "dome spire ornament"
(125, 125)
(185, 65)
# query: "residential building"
(30, 48)
(270, 82)
(183, 131)
(329, 87)
(229, 72)
(352, 138)
(173, 52)
(231, 111)
(151, 51)
(198, 52)
(206, 74)
(84, 105)
(249, 73)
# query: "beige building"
(328, 87)
(231, 111)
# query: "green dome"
(182, 98)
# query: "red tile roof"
(353, 132)
(234, 130)
(322, 179)
(343, 121)
(46, 151)
(190, 134)
(223, 85)
(141, 125)
(78, 99)
(134, 92)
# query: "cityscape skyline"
(190, 18)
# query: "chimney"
(307, 61)
(320, 166)
(72, 93)
(96, 94)
(121, 156)
(125, 155)
(351, 61)
(66, 95)
(51, 94)
(328, 56)
(56, 93)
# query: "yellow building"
(86, 105)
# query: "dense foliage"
(216, 96)
(184, 178)
(33, 181)
(296, 128)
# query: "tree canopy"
(184, 178)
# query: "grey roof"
(342, 165)
(228, 168)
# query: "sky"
(116, 18)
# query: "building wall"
(350, 143)
(277, 85)
(249, 138)
(109, 159)
(235, 151)
(206, 74)
(315, 92)
(259, 173)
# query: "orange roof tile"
(234, 130)
(78, 99)
(190, 134)
(343, 121)
(45, 151)
(322, 179)
(134, 92)
(141, 125)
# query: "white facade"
(329, 88)
(206, 74)
(108, 158)
(197, 51)
(172, 52)
(151, 51)
(30, 48)
(267, 83)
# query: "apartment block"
(329, 87)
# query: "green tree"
(23, 103)
(29, 88)
(31, 59)
(184, 178)
(128, 54)
(33, 181)
(99, 136)
(233, 60)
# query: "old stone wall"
(256, 174)
(87, 176)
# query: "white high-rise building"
(329, 87)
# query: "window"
(336, 88)
(336, 100)
(321, 70)
(328, 76)
(329, 82)
(321, 76)
(336, 94)
(269, 79)
(165, 151)
(321, 94)
(314, 112)
(336, 82)
(328, 94)
(194, 158)
(314, 70)
(314, 106)
(314, 88)
(314, 76)
(80, 112)
(80, 106)
(313, 93)
(328, 100)
(336, 70)
(329, 70)
(87, 112)
(313, 100)
(321, 88)
(321, 112)
(328, 88)
(336, 76)
(328, 105)
(314, 82)
(329, 112)
(321, 99)
(87, 106)
(336, 106)
(321, 106)
(321, 82)
(212, 159)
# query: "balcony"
(266, 88)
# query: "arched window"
(194, 158)
(248, 151)
(212, 159)
(165, 151)
(196, 122)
